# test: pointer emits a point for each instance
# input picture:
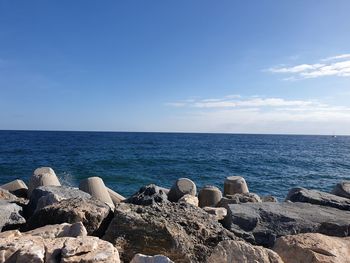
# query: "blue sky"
(190, 66)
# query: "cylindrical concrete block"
(181, 187)
(209, 196)
(235, 185)
(116, 198)
(16, 187)
(96, 188)
(43, 176)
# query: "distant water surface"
(271, 164)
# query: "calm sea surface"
(271, 164)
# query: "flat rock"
(230, 251)
(27, 248)
(141, 258)
(318, 198)
(10, 216)
(148, 195)
(342, 189)
(94, 214)
(182, 232)
(313, 248)
(48, 195)
(262, 223)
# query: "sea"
(271, 164)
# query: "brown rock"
(231, 251)
(189, 199)
(218, 212)
(94, 214)
(313, 248)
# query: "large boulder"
(230, 251)
(342, 189)
(182, 232)
(94, 214)
(42, 176)
(148, 195)
(10, 216)
(16, 187)
(48, 195)
(318, 198)
(27, 248)
(313, 248)
(180, 188)
(262, 223)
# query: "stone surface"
(313, 248)
(48, 195)
(11, 198)
(182, 232)
(94, 214)
(148, 195)
(238, 199)
(10, 216)
(180, 188)
(16, 187)
(235, 185)
(218, 212)
(269, 198)
(231, 251)
(318, 198)
(262, 223)
(59, 230)
(96, 188)
(43, 176)
(189, 199)
(342, 189)
(35, 249)
(116, 198)
(209, 196)
(141, 258)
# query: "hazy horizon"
(194, 66)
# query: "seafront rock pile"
(47, 222)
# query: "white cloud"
(263, 115)
(333, 66)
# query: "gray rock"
(94, 214)
(342, 189)
(48, 195)
(262, 223)
(10, 216)
(318, 198)
(11, 198)
(141, 258)
(148, 195)
(16, 187)
(182, 232)
(269, 198)
(180, 188)
(238, 199)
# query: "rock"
(269, 198)
(96, 188)
(182, 187)
(342, 189)
(59, 230)
(318, 198)
(165, 190)
(262, 223)
(11, 198)
(141, 258)
(16, 187)
(148, 195)
(43, 176)
(230, 251)
(209, 196)
(218, 212)
(94, 215)
(10, 216)
(182, 232)
(27, 248)
(116, 198)
(313, 248)
(238, 199)
(189, 199)
(235, 185)
(48, 195)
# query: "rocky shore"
(45, 222)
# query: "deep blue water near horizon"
(271, 164)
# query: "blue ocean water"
(271, 164)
